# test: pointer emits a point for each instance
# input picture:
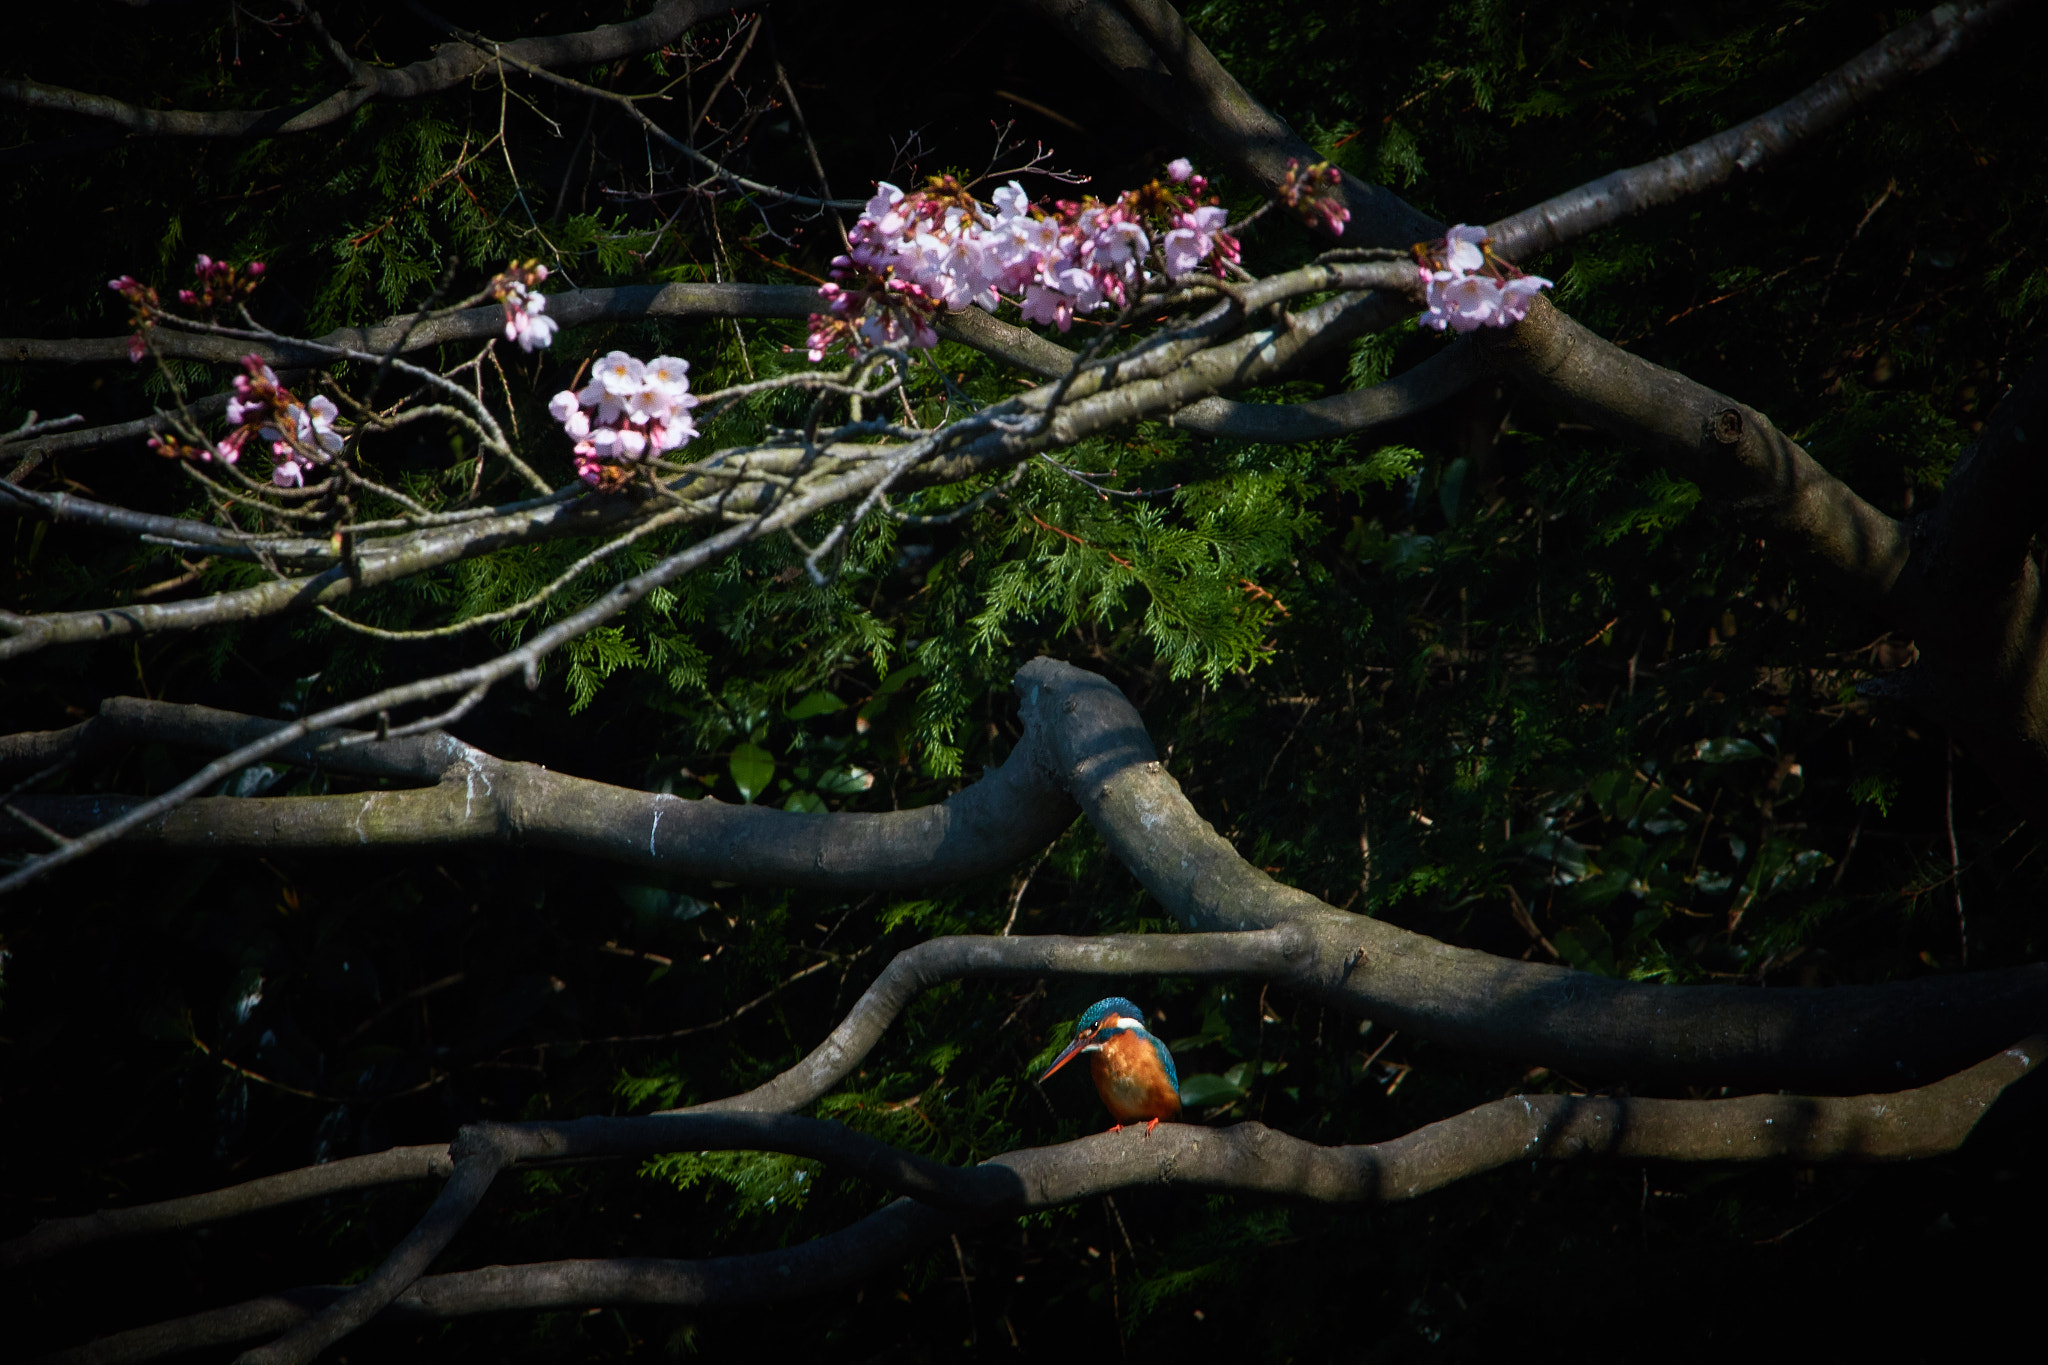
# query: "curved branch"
(1246, 1157)
(1827, 1039)
(1083, 737)
(451, 65)
(1009, 814)
(1732, 452)
(1273, 954)
(1436, 380)
(477, 1163)
(1918, 47)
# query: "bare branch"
(1269, 953)
(1158, 376)
(69, 507)
(1918, 47)
(1082, 736)
(1436, 380)
(1246, 1157)
(451, 65)
(1837, 1038)
(1009, 814)
(1730, 451)
(477, 1163)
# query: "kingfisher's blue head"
(1107, 1019)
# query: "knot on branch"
(1725, 426)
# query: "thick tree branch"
(1960, 582)
(1009, 814)
(1271, 954)
(451, 65)
(1732, 452)
(1436, 380)
(1083, 737)
(1918, 47)
(1246, 1157)
(1837, 1038)
(477, 1163)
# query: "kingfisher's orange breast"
(1131, 1082)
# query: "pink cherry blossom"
(1465, 289)
(1192, 238)
(912, 254)
(1516, 296)
(630, 410)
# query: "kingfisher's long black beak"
(1073, 1051)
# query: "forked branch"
(1247, 1157)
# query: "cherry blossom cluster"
(301, 436)
(631, 410)
(912, 254)
(1467, 287)
(526, 312)
(220, 284)
(1317, 194)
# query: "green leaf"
(820, 703)
(846, 781)
(1201, 1091)
(1725, 751)
(898, 678)
(658, 902)
(752, 768)
(806, 802)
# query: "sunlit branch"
(1269, 954)
(1436, 380)
(1010, 813)
(1732, 452)
(1083, 737)
(1246, 1158)
(1918, 47)
(1156, 377)
(1588, 1024)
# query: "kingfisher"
(1133, 1070)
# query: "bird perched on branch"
(1133, 1070)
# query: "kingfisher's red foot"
(1116, 1127)
(1150, 1126)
